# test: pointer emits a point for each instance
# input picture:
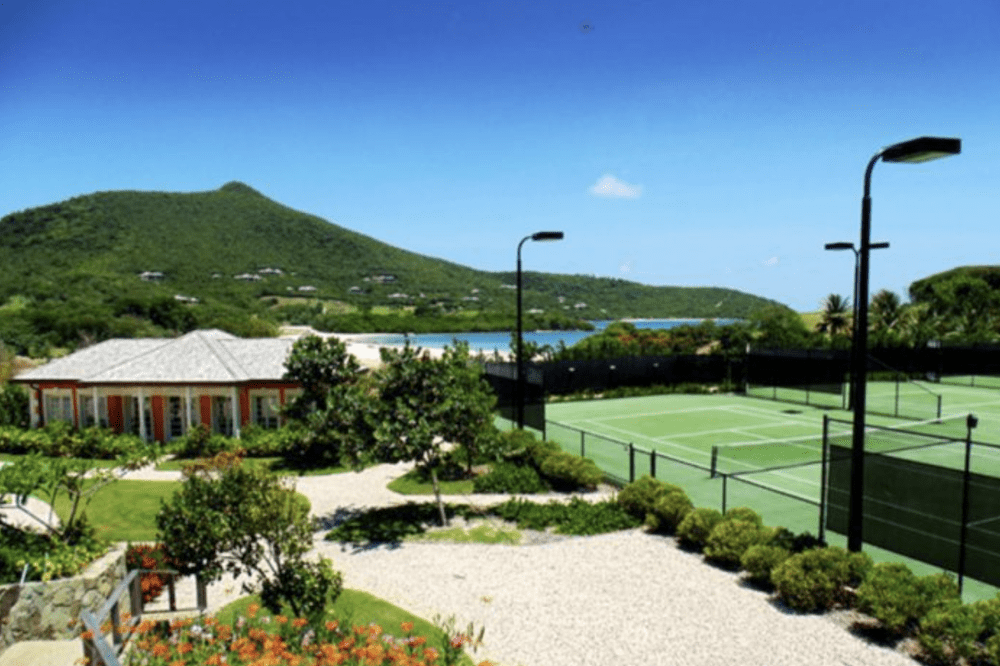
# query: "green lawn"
(411, 483)
(276, 464)
(124, 510)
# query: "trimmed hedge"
(816, 579)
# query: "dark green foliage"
(509, 478)
(568, 472)
(578, 517)
(814, 580)
(318, 365)
(200, 442)
(623, 338)
(47, 556)
(669, 511)
(639, 497)
(697, 525)
(13, 406)
(392, 524)
(307, 587)
(729, 539)
(759, 560)
(60, 440)
(892, 594)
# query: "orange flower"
(407, 626)
(178, 662)
(252, 611)
(299, 622)
(184, 648)
(161, 650)
(87, 635)
(430, 654)
(331, 625)
(280, 619)
(214, 660)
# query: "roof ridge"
(216, 347)
(165, 342)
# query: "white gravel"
(623, 598)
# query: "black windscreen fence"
(803, 371)
(916, 509)
(598, 375)
(502, 377)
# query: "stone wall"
(51, 611)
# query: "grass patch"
(487, 534)
(357, 608)
(276, 464)
(395, 523)
(414, 483)
(124, 510)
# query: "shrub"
(578, 517)
(668, 512)
(697, 525)
(566, 471)
(745, 514)
(951, 633)
(893, 595)
(729, 539)
(201, 443)
(814, 580)
(537, 451)
(506, 477)
(639, 497)
(759, 560)
(306, 586)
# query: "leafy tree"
(236, 519)
(884, 316)
(423, 403)
(778, 327)
(836, 318)
(319, 365)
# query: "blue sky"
(700, 143)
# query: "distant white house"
(271, 271)
(185, 299)
(307, 288)
(580, 306)
(248, 277)
(356, 290)
(536, 311)
(161, 388)
(151, 276)
(398, 295)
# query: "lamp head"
(547, 236)
(839, 246)
(924, 149)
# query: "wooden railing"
(96, 646)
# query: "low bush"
(506, 477)
(759, 560)
(639, 497)
(668, 512)
(814, 580)
(729, 539)
(60, 440)
(578, 517)
(745, 514)
(568, 472)
(45, 556)
(951, 633)
(893, 595)
(693, 531)
(200, 442)
(306, 586)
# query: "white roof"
(209, 356)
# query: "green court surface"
(674, 435)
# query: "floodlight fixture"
(924, 149)
(519, 382)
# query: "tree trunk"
(437, 494)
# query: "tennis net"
(792, 451)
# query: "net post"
(896, 410)
(939, 408)
(583, 449)
(715, 461)
(970, 423)
(652, 462)
(822, 481)
(631, 462)
(724, 478)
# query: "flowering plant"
(281, 641)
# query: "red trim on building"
(244, 406)
(116, 414)
(156, 406)
(205, 401)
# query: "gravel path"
(620, 598)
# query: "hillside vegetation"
(232, 258)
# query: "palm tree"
(884, 318)
(837, 316)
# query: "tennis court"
(768, 452)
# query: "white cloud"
(773, 261)
(609, 186)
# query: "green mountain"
(141, 263)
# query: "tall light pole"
(854, 316)
(913, 151)
(519, 398)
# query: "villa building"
(160, 388)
